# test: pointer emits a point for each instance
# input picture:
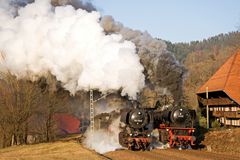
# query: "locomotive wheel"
(163, 137)
(122, 138)
(146, 146)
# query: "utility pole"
(207, 110)
(91, 111)
(91, 108)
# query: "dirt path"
(169, 154)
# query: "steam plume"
(71, 45)
(85, 5)
(104, 141)
(161, 68)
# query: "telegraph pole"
(207, 110)
(91, 108)
(91, 111)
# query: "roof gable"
(226, 79)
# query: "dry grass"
(71, 150)
(49, 151)
(223, 141)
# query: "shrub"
(203, 122)
(215, 124)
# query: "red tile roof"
(226, 79)
(67, 124)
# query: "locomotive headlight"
(193, 130)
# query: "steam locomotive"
(174, 125)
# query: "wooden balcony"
(227, 114)
(216, 101)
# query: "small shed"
(67, 124)
(223, 92)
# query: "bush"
(203, 122)
(215, 124)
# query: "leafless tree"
(53, 101)
(26, 108)
(18, 100)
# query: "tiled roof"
(226, 79)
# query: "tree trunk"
(48, 128)
(26, 134)
(13, 139)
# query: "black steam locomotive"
(173, 123)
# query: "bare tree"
(54, 100)
(26, 108)
(18, 100)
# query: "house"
(223, 93)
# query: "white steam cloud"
(103, 141)
(71, 45)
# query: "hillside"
(202, 59)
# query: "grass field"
(49, 151)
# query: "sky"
(175, 20)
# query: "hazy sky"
(175, 20)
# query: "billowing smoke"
(104, 141)
(161, 68)
(71, 45)
(85, 5)
(66, 39)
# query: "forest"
(202, 59)
(27, 109)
